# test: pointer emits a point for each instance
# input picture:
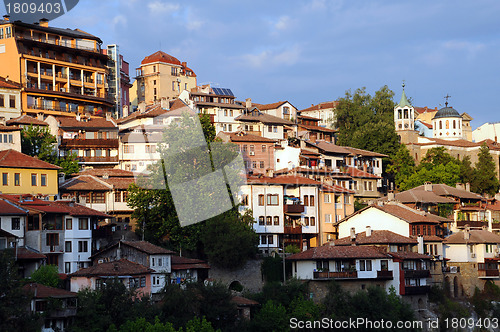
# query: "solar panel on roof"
(223, 92)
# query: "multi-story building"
(22, 174)
(94, 140)
(257, 123)
(118, 79)
(10, 98)
(61, 71)
(335, 203)
(280, 109)
(309, 129)
(10, 137)
(162, 76)
(324, 111)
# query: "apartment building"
(324, 111)
(162, 76)
(61, 71)
(281, 109)
(118, 80)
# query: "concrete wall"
(249, 276)
(377, 220)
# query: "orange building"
(61, 71)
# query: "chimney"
(391, 196)
(39, 116)
(270, 172)
(119, 251)
(353, 234)
(365, 168)
(108, 116)
(467, 186)
(164, 103)
(184, 64)
(125, 111)
(460, 186)
(248, 103)
(78, 117)
(2, 121)
(368, 231)
(466, 233)
(428, 186)
(6, 18)
(142, 107)
(420, 246)
(44, 22)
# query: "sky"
(309, 52)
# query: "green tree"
(402, 165)
(37, 141)
(14, 301)
(214, 303)
(485, 177)
(466, 170)
(229, 239)
(208, 127)
(69, 164)
(178, 306)
(366, 122)
(271, 317)
(47, 275)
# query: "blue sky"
(308, 52)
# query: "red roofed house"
(324, 111)
(42, 302)
(188, 270)
(94, 140)
(134, 276)
(10, 99)
(280, 109)
(162, 75)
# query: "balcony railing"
(414, 274)
(384, 274)
(335, 275)
(293, 230)
(293, 208)
(58, 43)
(97, 159)
(489, 273)
(417, 290)
(475, 224)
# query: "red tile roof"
(330, 147)
(272, 106)
(364, 153)
(29, 254)
(122, 267)
(257, 116)
(377, 237)
(14, 159)
(92, 123)
(160, 56)
(476, 236)
(40, 291)
(321, 106)
(419, 195)
(408, 214)
(408, 255)
(339, 252)
(316, 128)
(27, 120)
(7, 208)
(9, 128)
(445, 190)
(109, 172)
(492, 145)
(85, 182)
(244, 137)
(147, 247)
(8, 84)
(184, 263)
(243, 301)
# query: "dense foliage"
(47, 275)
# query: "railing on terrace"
(335, 275)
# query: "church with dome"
(423, 128)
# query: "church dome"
(446, 112)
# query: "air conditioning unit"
(497, 250)
(453, 269)
(252, 153)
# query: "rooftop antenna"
(446, 97)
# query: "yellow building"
(162, 76)
(61, 71)
(335, 203)
(22, 174)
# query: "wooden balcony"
(293, 230)
(415, 274)
(91, 160)
(472, 224)
(417, 290)
(489, 273)
(336, 275)
(78, 143)
(293, 208)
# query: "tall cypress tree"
(485, 178)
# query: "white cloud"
(283, 23)
(119, 20)
(160, 7)
(272, 58)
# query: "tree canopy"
(485, 180)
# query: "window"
(384, 265)
(244, 200)
(254, 164)
(52, 239)
(261, 164)
(245, 148)
(276, 221)
(365, 265)
(33, 223)
(125, 196)
(173, 85)
(83, 223)
(306, 221)
(252, 148)
(128, 148)
(67, 246)
(263, 239)
(275, 129)
(5, 179)
(1, 33)
(346, 199)
(12, 101)
(272, 199)
(313, 221)
(33, 179)
(43, 180)
(16, 224)
(98, 197)
(2, 101)
(8, 32)
(327, 198)
(322, 265)
(67, 269)
(225, 112)
(118, 196)
(160, 261)
(270, 239)
(143, 281)
(306, 200)
(83, 246)
(269, 129)
(261, 200)
(328, 218)
(268, 220)
(150, 148)
(69, 223)
(261, 220)
(263, 148)
(17, 179)
(311, 200)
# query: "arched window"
(400, 115)
(406, 113)
(440, 124)
(447, 124)
(454, 124)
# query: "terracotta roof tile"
(316, 128)
(93, 122)
(24, 253)
(339, 252)
(85, 182)
(244, 137)
(109, 172)
(122, 267)
(445, 190)
(8, 84)
(27, 120)
(183, 263)
(329, 147)
(161, 56)
(408, 214)
(243, 301)
(7, 208)
(408, 255)
(364, 153)
(476, 236)
(272, 106)
(147, 247)
(377, 237)
(262, 117)
(419, 195)
(321, 106)
(40, 291)
(15, 159)
(9, 128)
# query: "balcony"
(58, 43)
(335, 275)
(384, 274)
(472, 224)
(91, 160)
(293, 208)
(100, 97)
(76, 143)
(417, 290)
(416, 274)
(293, 230)
(488, 270)
(66, 312)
